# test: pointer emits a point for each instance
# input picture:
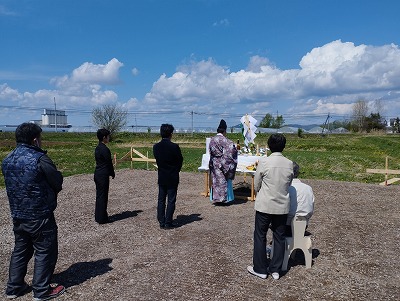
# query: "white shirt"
(301, 200)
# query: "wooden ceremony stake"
(129, 157)
(386, 167)
(387, 172)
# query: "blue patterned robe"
(223, 162)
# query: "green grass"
(335, 157)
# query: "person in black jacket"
(169, 161)
(104, 170)
(32, 183)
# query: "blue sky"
(163, 59)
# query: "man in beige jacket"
(272, 179)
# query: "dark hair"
(276, 143)
(296, 170)
(166, 130)
(101, 133)
(221, 130)
(26, 132)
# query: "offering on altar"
(253, 150)
(252, 167)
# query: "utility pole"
(192, 122)
(55, 114)
(326, 123)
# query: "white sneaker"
(275, 275)
(251, 271)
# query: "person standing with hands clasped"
(104, 170)
(32, 183)
(272, 179)
(169, 162)
(222, 165)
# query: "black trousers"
(38, 238)
(278, 227)
(165, 215)
(102, 187)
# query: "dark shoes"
(222, 204)
(169, 226)
(24, 290)
(107, 221)
(54, 291)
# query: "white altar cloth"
(243, 162)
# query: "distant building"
(54, 118)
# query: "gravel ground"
(355, 234)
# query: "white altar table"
(243, 162)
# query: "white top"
(301, 200)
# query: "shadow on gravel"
(187, 219)
(81, 271)
(238, 201)
(124, 215)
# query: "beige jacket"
(272, 179)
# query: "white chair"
(298, 241)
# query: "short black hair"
(26, 132)
(166, 130)
(276, 143)
(101, 133)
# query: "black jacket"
(169, 161)
(32, 182)
(104, 165)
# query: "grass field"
(342, 157)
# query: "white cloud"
(6, 12)
(101, 74)
(338, 68)
(256, 62)
(223, 22)
(82, 90)
(329, 79)
(9, 94)
(132, 103)
(335, 75)
(198, 81)
(322, 107)
(135, 71)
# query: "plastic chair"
(298, 241)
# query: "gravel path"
(355, 234)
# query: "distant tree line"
(270, 121)
(114, 117)
(360, 120)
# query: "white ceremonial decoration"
(249, 128)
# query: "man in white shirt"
(301, 200)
